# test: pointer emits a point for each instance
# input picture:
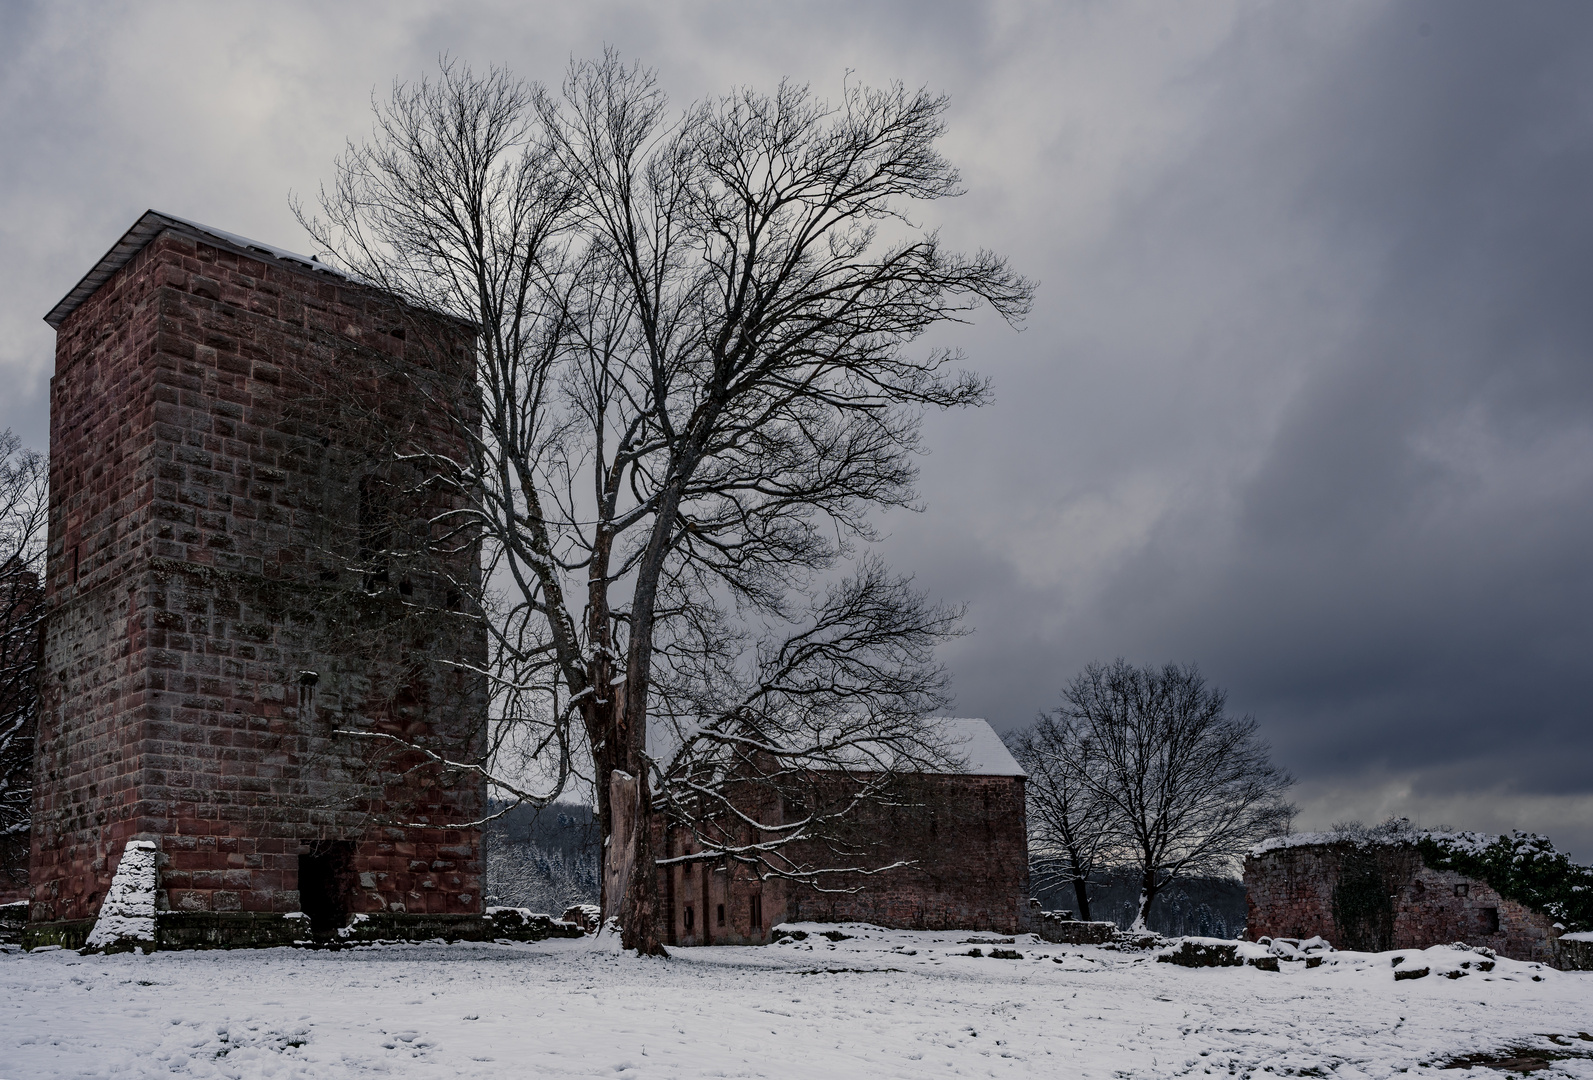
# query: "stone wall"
(1383, 896)
(220, 611)
(964, 837)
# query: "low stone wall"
(1574, 953)
(1069, 931)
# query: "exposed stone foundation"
(175, 930)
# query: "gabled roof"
(151, 225)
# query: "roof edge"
(151, 224)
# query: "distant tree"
(1070, 821)
(1186, 788)
(698, 376)
(23, 514)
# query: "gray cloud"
(1306, 398)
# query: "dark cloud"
(1306, 399)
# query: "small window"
(1462, 889)
(1490, 920)
(721, 919)
(691, 918)
(757, 912)
(307, 681)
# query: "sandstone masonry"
(962, 838)
(225, 602)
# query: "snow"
(977, 743)
(128, 914)
(1582, 935)
(880, 1003)
(272, 250)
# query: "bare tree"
(827, 717)
(1070, 820)
(696, 382)
(23, 513)
(1188, 788)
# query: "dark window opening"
(757, 912)
(1490, 920)
(453, 600)
(405, 588)
(307, 681)
(721, 914)
(691, 917)
(1462, 889)
(328, 575)
(74, 566)
(326, 881)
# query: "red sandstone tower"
(234, 630)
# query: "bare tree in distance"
(697, 379)
(24, 510)
(1187, 788)
(1070, 820)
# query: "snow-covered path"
(882, 1004)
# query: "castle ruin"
(239, 662)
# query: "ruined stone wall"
(217, 617)
(1383, 896)
(964, 836)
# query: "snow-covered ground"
(880, 1004)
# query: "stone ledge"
(510, 923)
(263, 930)
(63, 934)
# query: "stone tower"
(240, 658)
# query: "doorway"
(326, 883)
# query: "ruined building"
(235, 629)
(963, 835)
(1376, 894)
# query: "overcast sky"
(1306, 397)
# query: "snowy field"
(881, 1004)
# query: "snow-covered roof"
(977, 743)
(150, 225)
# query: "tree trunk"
(639, 908)
(1082, 897)
(1148, 888)
(619, 842)
(641, 920)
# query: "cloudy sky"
(1306, 398)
